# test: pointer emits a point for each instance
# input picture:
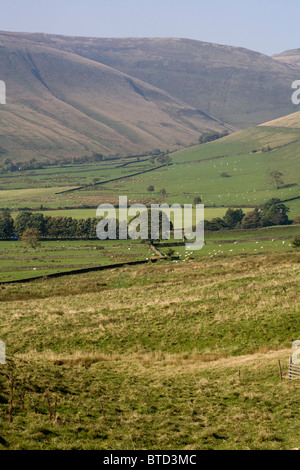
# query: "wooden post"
(280, 371)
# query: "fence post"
(280, 371)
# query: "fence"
(293, 371)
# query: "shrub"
(296, 242)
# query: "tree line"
(47, 226)
(273, 212)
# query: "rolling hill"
(236, 85)
(60, 104)
(291, 57)
(72, 96)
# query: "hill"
(74, 96)
(60, 104)
(291, 57)
(236, 85)
(292, 121)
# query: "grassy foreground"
(164, 356)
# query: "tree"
(26, 220)
(296, 220)
(274, 212)
(6, 224)
(150, 188)
(233, 217)
(164, 159)
(277, 178)
(197, 200)
(32, 237)
(22, 221)
(252, 220)
(215, 224)
(296, 243)
(163, 191)
(162, 224)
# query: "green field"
(19, 262)
(209, 213)
(177, 354)
(196, 171)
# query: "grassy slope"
(195, 171)
(291, 121)
(159, 373)
(18, 261)
(198, 169)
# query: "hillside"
(178, 356)
(62, 105)
(73, 96)
(232, 171)
(291, 57)
(236, 85)
(291, 121)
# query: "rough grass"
(157, 357)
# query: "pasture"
(161, 356)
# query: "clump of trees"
(273, 212)
(211, 136)
(162, 159)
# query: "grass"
(210, 213)
(19, 262)
(178, 354)
(159, 372)
(196, 171)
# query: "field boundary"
(82, 271)
(113, 179)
